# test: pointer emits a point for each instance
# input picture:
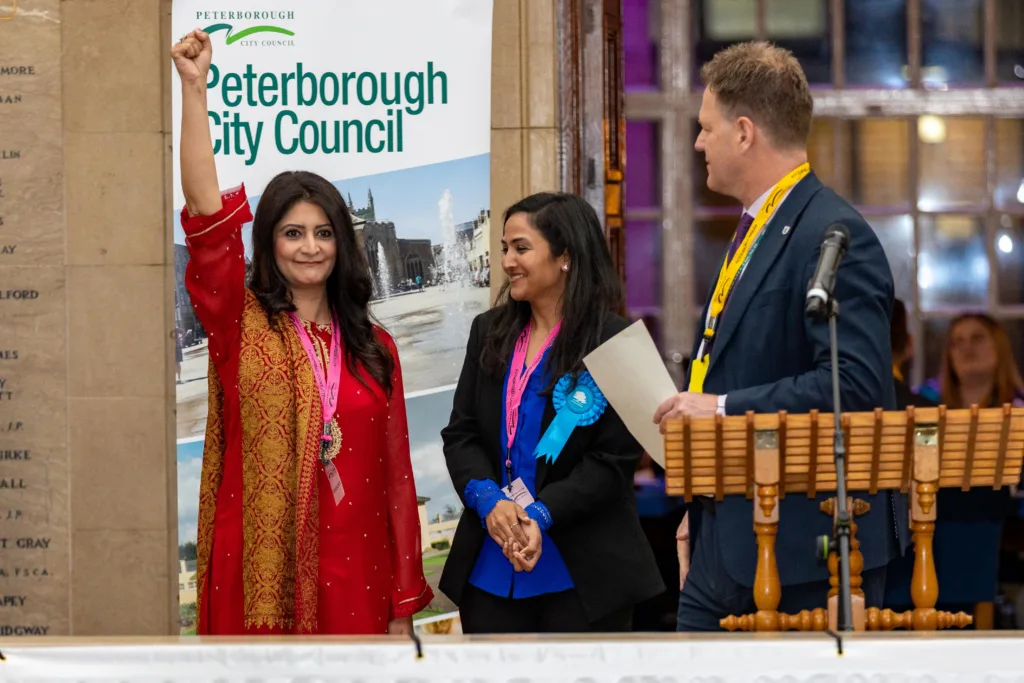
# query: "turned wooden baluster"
(767, 587)
(887, 620)
(856, 508)
(924, 583)
(806, 620)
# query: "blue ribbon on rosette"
(578, 404)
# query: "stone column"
(87, 498)
(524, 110)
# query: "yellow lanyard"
(733, 267)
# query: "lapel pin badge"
(785, 230)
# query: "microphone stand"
(843, 519)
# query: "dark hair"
(348, 286)
(767, 84)
(593, 291)
(898, 334)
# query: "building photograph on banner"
(396, 115)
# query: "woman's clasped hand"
(518, 535)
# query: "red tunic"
(369, 564)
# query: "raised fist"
(192, 55)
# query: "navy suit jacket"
(768, 356)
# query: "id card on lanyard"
(732, 269)
(327, 387)
(517, 381)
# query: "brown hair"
(1007, 381)
(766, 84)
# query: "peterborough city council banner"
(390, 101)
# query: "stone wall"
(88, 501)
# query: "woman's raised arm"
(192, 57)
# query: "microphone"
(819, 289)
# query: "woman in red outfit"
(308, 520)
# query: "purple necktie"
(746, 220)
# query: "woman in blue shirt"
(550, 540)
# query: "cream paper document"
(631, 374)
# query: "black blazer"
(768, 356)
(588, 490)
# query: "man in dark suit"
(902, 345)
(760, 352)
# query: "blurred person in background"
(977, 368)
(902, 353)
(978, 365)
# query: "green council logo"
(263, 35)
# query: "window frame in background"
(673, 102)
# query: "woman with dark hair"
(550, 540)
(308, 518)
(902, 345)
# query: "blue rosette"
(576, 405)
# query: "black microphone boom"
(819, 289)
(821, 303)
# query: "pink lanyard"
(328, 386)
(517, 382)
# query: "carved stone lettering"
(34, 504)
(24, 630)
(23, 572)
(28, 543)
(18, 294)
(9, 454)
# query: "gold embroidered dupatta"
(280, 442)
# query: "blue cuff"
(539, 513)
(481, 496)
(477, 489)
